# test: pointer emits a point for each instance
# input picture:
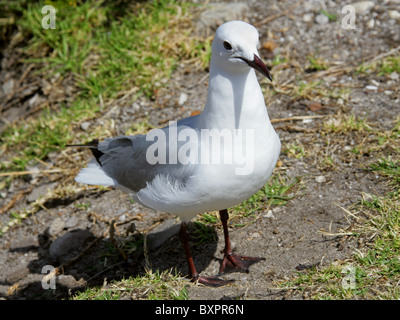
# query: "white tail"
(93, 174)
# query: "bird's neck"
(234, 101)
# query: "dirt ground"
(292, 236)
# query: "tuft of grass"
(165, 285)
(316, 63)
(346, 123)
(389, 168)
(331, 16)
(294, 150)
(383, 67)
(202, 232)
(389, 65)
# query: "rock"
(394, 76)
(35, 100)
(362, 7)
(308, 17)
(162, 233)
(56, 227)
(320, 179)
(41, 191)
(8, 86)
(70, 244)
(69, 282)
(371, 24)
(371, 88)
(17, 275)
(393, 14)
(321, 19)
(25, 244)
(182, 98)
(219, 13)
(269, 215)
(85, 125)
(71, 222)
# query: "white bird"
(178, 169)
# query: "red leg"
(233, 261)
(210, 281)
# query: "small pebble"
(394, 14)
(321, 19)
(269, 215)
(85, 125)
(372, 88)
(182, 98)
(56, 227)
(320, 179)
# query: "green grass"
(389, 168)
(389, 65)
(105, 53)
(331, 16)
(344, 123)
(165, 285)
(382, 67)
(316, 63)
(49, 132)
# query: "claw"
(233, 262)
(212, 281)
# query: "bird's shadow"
(91, 261)
(203, 241)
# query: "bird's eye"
(227, 45)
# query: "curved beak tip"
(259, 65)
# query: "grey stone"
(362, 7)
(321, 19)
(17, 275)
(71, 222)
(182, 98)
(394, 14)
(219, 13)
(68, 281)
(24, 244)
(56, 227)
(85, 125)
(8, 86)
(320, 179)
(35, 100)
(162, 233)
(41, 191)
(394, 76)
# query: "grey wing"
(125, 160)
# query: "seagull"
(208, 162)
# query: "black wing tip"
(93, 145)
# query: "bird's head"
(235, 48)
